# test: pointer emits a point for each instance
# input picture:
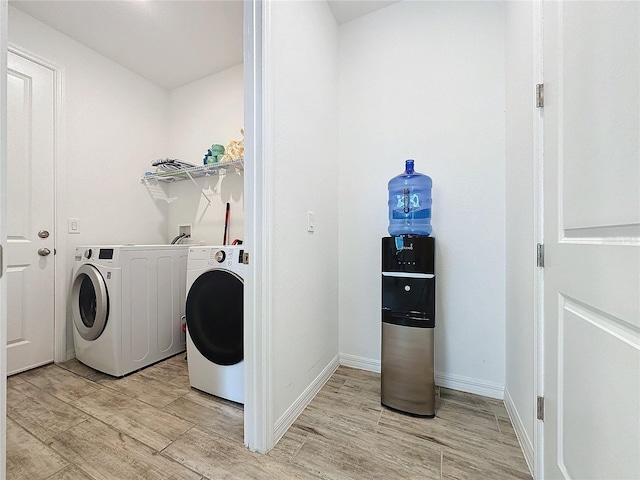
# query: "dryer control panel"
(228, 256)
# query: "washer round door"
(89, 302)
(215, 316)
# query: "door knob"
(43, 252)
(43, 234)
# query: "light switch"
(74, 225)
(310, 225)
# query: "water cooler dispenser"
(408, 324)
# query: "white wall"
(520, 236)
(202, 113)
(114, 124)
(304, 92)
(425, 80)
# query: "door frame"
(258, 192)
(3, 242)
(538, 229)
(61, 352)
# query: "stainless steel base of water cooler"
(407, 380)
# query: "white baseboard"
(447, 380)
(470, 385)
(526, 444)
(287, 419)
(361, 363)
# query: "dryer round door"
(215, 316)
(89, 302)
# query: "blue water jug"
(410, 203)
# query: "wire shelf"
(194, 172)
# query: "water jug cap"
(409, 166)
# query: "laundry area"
(203, 279)
(117, 173)
(131, 177)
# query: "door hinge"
(540, 95)
(245, 258)
(540, 255)
(540, 409)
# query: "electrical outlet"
(310, 223)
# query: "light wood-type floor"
(68, 421)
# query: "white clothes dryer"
(215, 320)
(127, 303)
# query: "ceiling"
(345, 10)
(170, 43)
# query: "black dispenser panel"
(408, 254)
(409, 301)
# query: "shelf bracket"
(206, 197)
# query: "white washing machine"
(127, 302)
(215, 320)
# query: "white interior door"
(30, 213)
(592, 240)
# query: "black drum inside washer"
(215, 316)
